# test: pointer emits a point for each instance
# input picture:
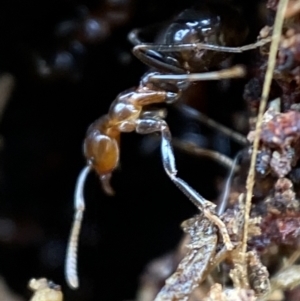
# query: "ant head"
(193, 25)
(209, 23)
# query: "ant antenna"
(198, 46)
(79, 206)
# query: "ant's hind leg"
(147, 126)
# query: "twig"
(266, 89)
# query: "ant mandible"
(200, 38)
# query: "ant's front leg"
(154, 59)
(147, 126)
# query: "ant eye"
(181, 34)
(178, 33)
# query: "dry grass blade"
(266, 89)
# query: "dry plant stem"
(266, 89)
(215, 219)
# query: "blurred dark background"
(67, 69)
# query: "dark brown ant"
(199, 39)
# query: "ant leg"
(153, 61)
(134, 35)
(233, 72)
(154, 114)
(147, 126)
(195, 150)
(224, 196)
(106, 186)
(200, 46)
(192, 113)
(79, 205)
(203, 152)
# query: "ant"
(197, 40)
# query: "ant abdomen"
(101, 147)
